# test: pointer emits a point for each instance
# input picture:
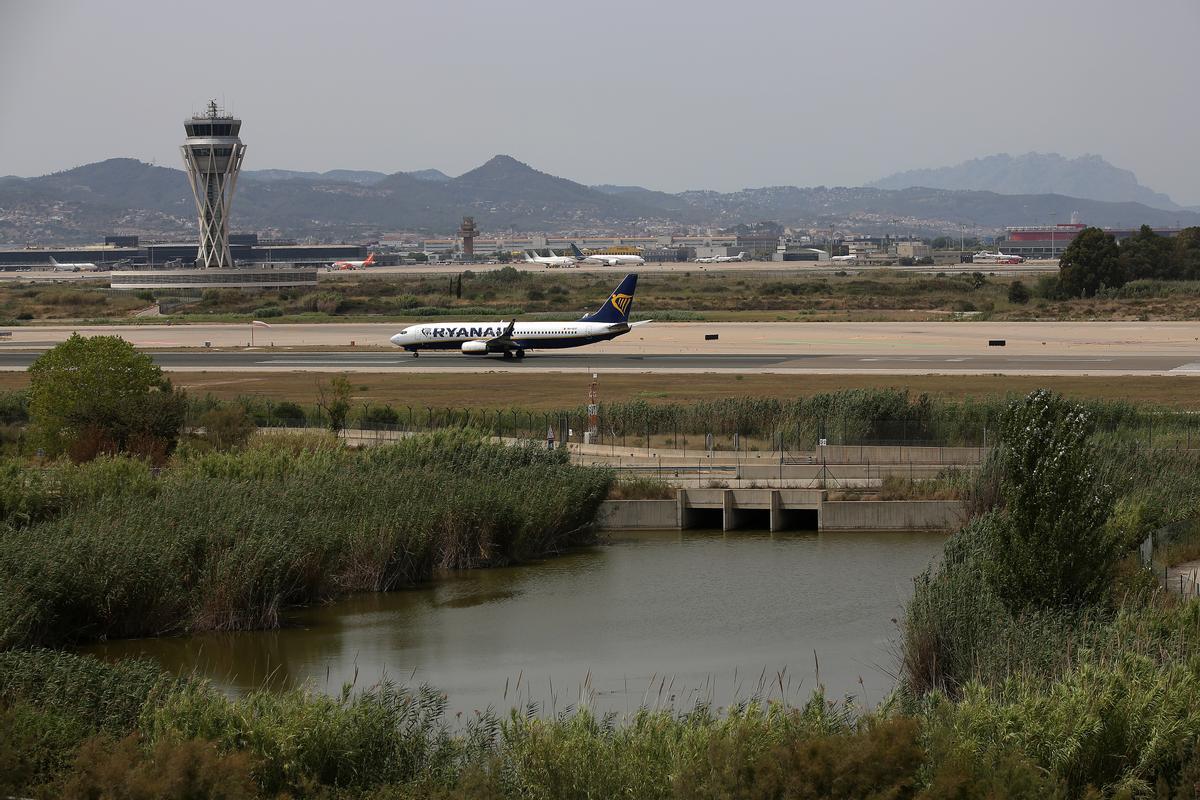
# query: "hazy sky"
(670, 95)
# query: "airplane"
(515, 338)
(608, 259)
(80, 267)
(848, 259)
(721, 259)
(996, 258)
(370, 260)
(550, 260)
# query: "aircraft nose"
(398, 338)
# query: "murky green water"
(657, 617)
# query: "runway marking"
(1192, 367)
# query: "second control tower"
(213, 155)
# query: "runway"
(990, 363)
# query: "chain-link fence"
(623, 431)
(1172, 553)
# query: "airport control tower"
(213, 155)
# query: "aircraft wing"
(504, 341)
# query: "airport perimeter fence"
(1167, 551)
(630, 430)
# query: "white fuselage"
(551, 261)
(721, 259)
(81, 267)
(996, 258)
(614, 260)
(525, 335)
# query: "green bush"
(1018, 293)
(379, 417)
(288, 414)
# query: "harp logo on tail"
(621, 302)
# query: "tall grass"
(229, 541)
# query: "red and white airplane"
(354, 264)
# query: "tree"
(1090, 261)
(1146, 255)
(333, 398)
(99, 394)
(1018, 293)
(1048, 544)
(1187, 253)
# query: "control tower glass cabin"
(213, 155)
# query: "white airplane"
(362, 264)
(608, 259)
(721, 259)
(514, 338)
(847, 259)
(549, 261)
(998, 257)
(80, 267)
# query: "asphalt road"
(705, 362)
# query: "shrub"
(1018, 293)
(288, 414)
(227, 428)
(379, 417)
(190, 769)
(267, 311)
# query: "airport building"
(1049, 241)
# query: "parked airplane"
(370, 260)
(721, 259)
(998, 257)
(80, 267)
(848, 259)
(514, 338)
(549, 261)
(608, 259)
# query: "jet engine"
(475, 348)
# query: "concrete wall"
(832, 473)
(891, 515)
(648, 514)
(866, 454)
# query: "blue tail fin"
(575, 251)
(618, 305)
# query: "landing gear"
(520, 354)
(416, 353)
(507, 355)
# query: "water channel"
(664, 618)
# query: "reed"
(226, 541)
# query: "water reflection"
(665, 618)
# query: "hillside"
(127, 196)
(1089, 177)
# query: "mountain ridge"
(1089, 177)
(125, 195)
